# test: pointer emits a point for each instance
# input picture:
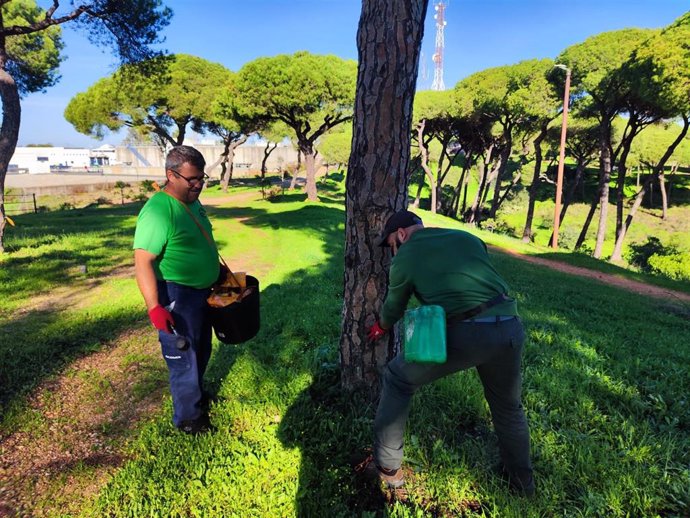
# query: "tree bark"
(9, 133)
(570, 193)
(267, 152)
(424, 153)
(664, 199)
(310, 166)
(388, 40)
(229, 160)
(527, 232)
(658, 171)
(604, 178)
(503, 165)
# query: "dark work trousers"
(495, 350)
(186, 367)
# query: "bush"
(675, 266)
(146, 186)
(498, 226)
(655, 257)
(66, 206)
(639, 254)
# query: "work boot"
(521, 482)
(196, 426)
(392, 478)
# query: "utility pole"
(561, 158)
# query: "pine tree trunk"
(229, 161)
(424, 152)
(9, 133)
(658, 172)
(570, 194)
(527, 232)
(500, 173)
(310, 166)
(604, 178)
(388, 39)
(588, 221)
(267, 152)
(664, 199)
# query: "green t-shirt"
(183, 254)
(444, 267)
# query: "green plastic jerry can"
(425, 335)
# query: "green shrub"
(675, 266)
(639, 254)
(146, 186)
(655, 257)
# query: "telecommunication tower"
(437, 58)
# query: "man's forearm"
(146, 280)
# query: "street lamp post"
(561, 158)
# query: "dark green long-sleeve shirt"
(445, 267)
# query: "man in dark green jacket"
(451, 269)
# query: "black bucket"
(239, 321)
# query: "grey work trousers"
(495, 349)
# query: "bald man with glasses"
(176, 263)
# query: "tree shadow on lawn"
(39, 343)
(590, 365)
(300, 326)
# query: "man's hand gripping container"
(425, 335)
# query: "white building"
(37, 160)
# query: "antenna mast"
(437, 58)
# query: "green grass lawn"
(606, 383)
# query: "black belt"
(466, 315)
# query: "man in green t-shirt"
(451, 269)
(176, 263)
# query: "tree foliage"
(30, 48)
(309, 93)
(163, 96)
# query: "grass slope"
(606, 386)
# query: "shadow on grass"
(42, 341)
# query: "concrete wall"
(149, 159)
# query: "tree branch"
(48, 21)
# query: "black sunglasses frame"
(194, 181)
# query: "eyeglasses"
(192, 181)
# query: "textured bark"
(570, 193)
(270, 147)
(604, 178)
(9, 133)
(500, 172)
(527, 231)
(228, 163)
(424, 154)
(658, 171)
(310, 167)
(388, 40)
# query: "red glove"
(161, 318)
(375, 332)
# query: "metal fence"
(20, 203)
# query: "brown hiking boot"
(392, 478)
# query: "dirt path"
(640, 288)
(74, 432)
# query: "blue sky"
(479, 34)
